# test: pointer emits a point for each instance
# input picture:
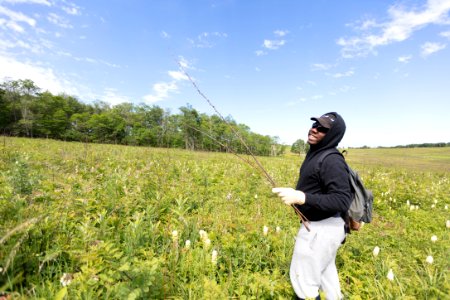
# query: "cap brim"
(317, 119)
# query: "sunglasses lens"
(319, 127)
(322, 129)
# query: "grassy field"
(90, 221)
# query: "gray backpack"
(362, 203)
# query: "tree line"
(26, 111)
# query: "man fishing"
(323, 196)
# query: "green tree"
(299, 146)
(191, 125)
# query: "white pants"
(313, 264)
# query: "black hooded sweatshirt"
(327, 189)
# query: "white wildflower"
(207, 243)
(66, 279)
(265, 230)
(446, 207)
(435, 201)
(203, 235)
(278, 229)
(214, 257)
(433, 206)
(434, 238)
(390, 275)
(175, 235)
(376, 251)
(408, 203)
(447, 224)
(429, 259)
(187, 244)
(256, 196)
(411, 207)
(229, 195)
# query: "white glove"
(290, 196)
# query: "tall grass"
(97, 221)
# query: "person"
(323, 196)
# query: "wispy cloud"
(321, 67)
(59, 21)
(44, 2)
(178, 75)
(165, 35)
(207, 39)
(430, 48)
(260, 52)
(273, 44)
(87, 59)
(113, 97)
(44, 77)
(296, 102)
(445, 34)
(72, 9)
(343, 74)
(401, 25)
(281, 33)
(405, 59)
(14, 19)
(162, 90)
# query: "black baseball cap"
(326, 120)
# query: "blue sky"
(383, 65)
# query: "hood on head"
(335, 133)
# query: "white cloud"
(43, 2)
(87, 59)
(345, 74)
(111, 96)
(45, 78)
(184, 63)
(161, 91)
(208, 39)
(402, 24)
(273, 44)
(72, 9)
(445, 34)
(260, 52)
(14, 19)
(405, 59)
(58, 20)
(178, 75)
(321, 67)
(430, 48)
(281, 33)
(165, 35)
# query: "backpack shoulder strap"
(325, 154)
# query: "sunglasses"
(319, 127)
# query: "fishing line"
(259, 165)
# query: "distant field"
(91, 221)
(418, 159)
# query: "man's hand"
(289, 195)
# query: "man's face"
(316, 133)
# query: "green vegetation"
(95, 221)
(25, 111)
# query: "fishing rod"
(305, 221)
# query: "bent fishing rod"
(305, 221)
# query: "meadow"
(93, 221)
